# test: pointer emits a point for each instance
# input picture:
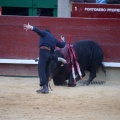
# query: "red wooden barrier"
(18, 44)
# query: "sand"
(19, 101)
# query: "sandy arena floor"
(19, 101)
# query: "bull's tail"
(103, 68)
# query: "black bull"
(89, 56)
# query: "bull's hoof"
(86, 83)
(71, 85)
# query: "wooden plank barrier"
(16, 43)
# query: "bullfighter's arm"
(35, 29)
(62, 43)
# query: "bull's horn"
(62, 60)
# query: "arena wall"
(16, 43)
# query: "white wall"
(64, 9)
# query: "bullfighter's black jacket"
(47, 39)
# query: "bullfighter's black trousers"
(43, 63)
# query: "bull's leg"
(78, 77)
(83, 73)
(71, 81)
(91, 77)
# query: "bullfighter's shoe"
(44, 90)
(39, 91)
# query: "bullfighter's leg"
(42, 73)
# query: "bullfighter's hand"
(27, 26)
(62, 38)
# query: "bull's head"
(56, 64)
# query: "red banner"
(96, 10)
